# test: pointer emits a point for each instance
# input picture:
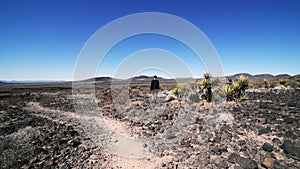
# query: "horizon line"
(107, 76)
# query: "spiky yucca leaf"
(203, 83)
(235, 86)
(228, 92)
(240, 98)
(243, 82)
(207, 75)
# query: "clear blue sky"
(42, 39)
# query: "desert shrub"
(272, 83)
(187, 92)
(240, 98)
(258, 83)
(180, 89)
(175, 91)
(283, 82)
(294, 83)
(236, 91)
(216, 81)
(217, 94)
(298, 81)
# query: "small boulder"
(268, 163)
(170, 97)
(264, 131)
(219, 150)
(246, 163)
(220, 163)
(262, 120)
(267, 147)
(291, 149)
(288, 120)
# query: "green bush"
(216, 81)
(180, 89)
(283, 82)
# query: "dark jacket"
(154, 84)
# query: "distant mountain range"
(30, 81)
(252, 77)
(139, 79)
(265, 76)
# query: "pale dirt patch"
(139, 163)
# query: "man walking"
(154, 88)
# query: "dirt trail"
(127, 149)
(130, 163)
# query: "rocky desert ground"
(51, 125)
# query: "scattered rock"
(268, 163)
(220, 163)
(246, 163)
(288, 120)
(262, 120)
(219, 150)
(292, 149)
(203, 138)
(170, 97)
(264, 130)
(267, 147)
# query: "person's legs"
(154, 95)
(152, 98)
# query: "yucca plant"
(203, 83)
(205, 86)
(236, 91)
(175, 91)
(243, 82)
(236, 86)
(207, 75)
(228, 92)
(240, 98)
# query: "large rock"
(246, 163)
(219, 150)
(264, 130)
(267, 147)
(170, 97)
(268, 163)
(288, 120)
(292, 149)
(220, 163)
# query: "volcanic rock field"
(51, 126)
